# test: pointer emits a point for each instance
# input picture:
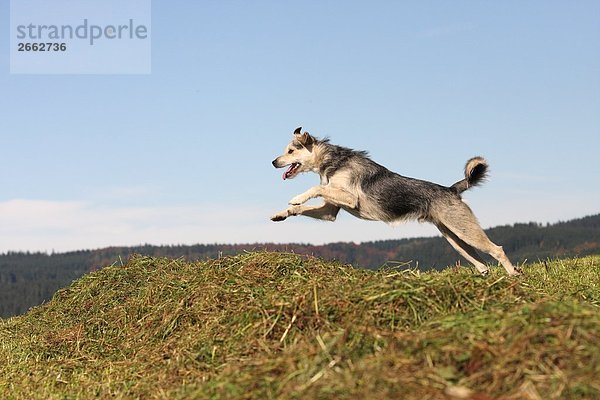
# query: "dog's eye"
(290, 151)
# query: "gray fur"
(350, 180)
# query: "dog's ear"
(306, 140)
(297, 131)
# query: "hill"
(29, 279)
(272, 325)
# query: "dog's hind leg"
(325, 211)
(464, 249)
(459, 219)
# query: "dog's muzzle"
(291, 171)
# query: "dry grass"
(273, 325)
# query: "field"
(277, 325)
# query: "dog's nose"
(274, 163)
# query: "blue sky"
(182, 155)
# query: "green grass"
(273, 325)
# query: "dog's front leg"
(325, 212)
(334, 195)
(304, 197)
(288, 212)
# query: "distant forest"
(29, 279)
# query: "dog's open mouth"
(291, 171)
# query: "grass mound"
(273, 325)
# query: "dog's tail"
(475, 173)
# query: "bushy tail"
(475, 173)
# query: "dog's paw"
(279, 217)
(517, 272)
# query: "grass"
(276, 325)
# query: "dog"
(350, 180)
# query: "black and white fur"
(353, 182)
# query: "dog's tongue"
(288, 171)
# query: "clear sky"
(182, 155)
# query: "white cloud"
(55, 225)
(40, 225)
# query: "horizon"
(50, 253)
(182, 154)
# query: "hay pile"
(274, 325)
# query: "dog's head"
(298, 155)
